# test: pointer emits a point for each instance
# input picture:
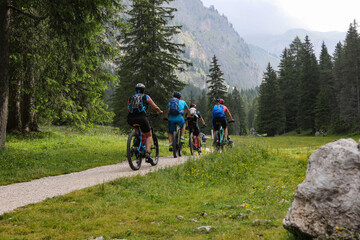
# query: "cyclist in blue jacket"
(174, 113)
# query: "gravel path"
(20, 194)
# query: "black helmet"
(177, 95)
(193, 105)
(140, 87)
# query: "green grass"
(60, 150)
(243, 193)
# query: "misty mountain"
(276, 43)
(263, 58)
(207, 33)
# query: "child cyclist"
(192, 122)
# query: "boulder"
(327, 203)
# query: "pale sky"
(277, 16)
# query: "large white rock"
(328, 200)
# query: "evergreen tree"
(217, 88)
(270, 118)
(337, 124)
(289, 78)
(350, 91)
(150, 56)
(308, 87)
(326, 98)
(72, 37)
(4, 67)
(237, 108)
(202, 106)
(251, 113)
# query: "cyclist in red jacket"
(219, 115)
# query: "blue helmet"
(177, 95)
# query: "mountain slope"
(276, 43)
(206, 33)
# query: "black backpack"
(136, 104)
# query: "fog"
(255, 16)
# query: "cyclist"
(174, 113)
(219, 111)
(192, 122)
(137, 105)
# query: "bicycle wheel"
(217, 143)
(221, 137)
(179, 144)
(133, 155)
(155, 147)
(175, 144)
(191, 140)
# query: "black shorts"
(221, 120)
(141, 120)
(194, 128)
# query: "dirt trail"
(20, 194)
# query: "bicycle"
(219, 140)
(194, 144)
(177, 144)
(136, 148)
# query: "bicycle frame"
(136, 148)
(142, 144)
(192, 143)
(177, 146)
(219, 137)
(221, 133)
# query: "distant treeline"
(241, 103)
(310, 94)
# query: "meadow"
(241, 193)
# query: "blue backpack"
(174, 108)
(218, 111)
(136, 104)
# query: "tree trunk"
(29, 120)
(28, 104)
(14, 118)
(4, 68)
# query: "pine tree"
(289, 78)
(237, 108)
(217, 88)
(308, 87)
(326, 98)
(270, 118)
(54, 63)
(350, 91)
(150, 56)
(337, 124)
(202, 106)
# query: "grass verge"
(242, 193)
(60, 150)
